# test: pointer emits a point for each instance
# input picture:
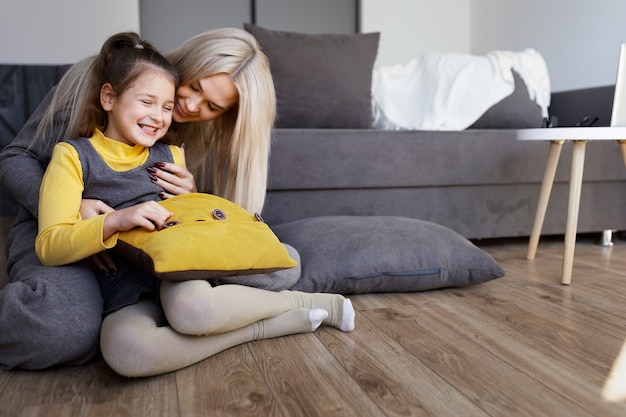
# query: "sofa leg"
(608, 237)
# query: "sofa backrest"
(571, 106)
(22, 87)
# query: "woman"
(224, 111)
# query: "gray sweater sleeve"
(22, 166)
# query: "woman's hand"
(173, 178)
(93, 208)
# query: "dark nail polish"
(151, 170)
(153, 178)
(160, 164)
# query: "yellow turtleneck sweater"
(63, 236)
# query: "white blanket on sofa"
(450, 91)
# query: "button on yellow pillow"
(207, 237)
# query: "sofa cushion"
(516, 111)
(322, 80)
(367, 254)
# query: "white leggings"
(198, 321)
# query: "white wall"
(578, 39)
(60, 31)
(410, 28)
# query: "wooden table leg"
(544, 196)
(575, 187)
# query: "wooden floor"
(523, 345)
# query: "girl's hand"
(100, 261)
(149, 215)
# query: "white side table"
(557, 136)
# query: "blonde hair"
(229, 155)
(234, 148)
(73, 111)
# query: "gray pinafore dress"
(120, 190)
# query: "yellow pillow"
(207, 237)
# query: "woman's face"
(205, 99)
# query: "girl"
(137, 96)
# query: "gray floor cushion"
(368, 254)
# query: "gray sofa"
(326, 159)
(482, 183)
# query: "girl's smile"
(143, 113)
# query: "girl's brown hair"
(75, 108)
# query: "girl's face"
(205, 99)
(142, 114)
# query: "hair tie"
(138, 46)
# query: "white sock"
(347, 321)
(317, 316)
(340, 311)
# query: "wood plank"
(570, 362)
(92, 390)
(42, 390)
(307, 380)
(228, 384)
(396, 380)
(107, 394)
(490, 381)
